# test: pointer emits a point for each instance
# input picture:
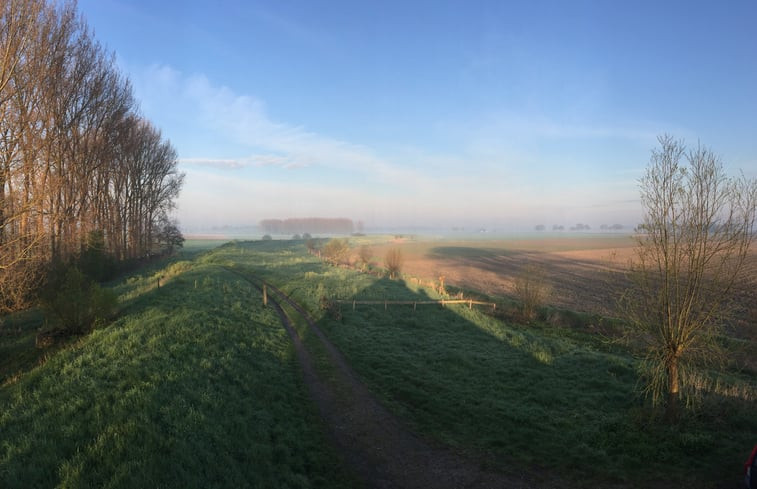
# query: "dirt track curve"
(378, 448)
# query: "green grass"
(18, 331)
(194, 386)
(537, 396)
(17, 345)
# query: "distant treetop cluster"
(580, 227)
(611, 227)
(313, 225)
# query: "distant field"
(583, 270)
(577, 267)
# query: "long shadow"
(505, 397)
(584, 285)
(378, 446)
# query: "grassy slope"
(194, 386)
(536, 395)
(18, 331)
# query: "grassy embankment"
(194, 385)
(535, 396)
(18, 331)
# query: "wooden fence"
(443, 303)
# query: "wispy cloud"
(238, 163)
(490, 175)
(241, 121)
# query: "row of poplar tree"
(78, 163)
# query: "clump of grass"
(532, 289)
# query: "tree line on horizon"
(580, 227)
(79, 165)
(312, 225)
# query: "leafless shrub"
(393, 262)
(531, 289)
(331, 308)
(366, 255)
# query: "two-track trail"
(378, 448)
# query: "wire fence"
(442, 302)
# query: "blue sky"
(499, 114)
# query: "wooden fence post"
(265, 295)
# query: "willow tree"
(698, 226)
(393, 261)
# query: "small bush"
(311, 244)
(532, 290)
(76, 303)
(393, 262)
(336, 250)
(174, 269)
(331, 308)
(366, 255)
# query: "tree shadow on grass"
(509, 396)
(577, 284)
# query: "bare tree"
(531, 289)
(393, 262)
(311, 244)
(697, 229)
(168, 235)
(75, 156)
(366, 255)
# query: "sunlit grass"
(514, 395)
(195, 375)
(196, 386)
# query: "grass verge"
(195, 385)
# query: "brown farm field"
(584, 272)
(581, 270)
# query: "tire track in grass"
(375, 444)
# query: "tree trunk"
(671, 408)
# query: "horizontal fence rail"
(442, 302)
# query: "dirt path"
(380, 450)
